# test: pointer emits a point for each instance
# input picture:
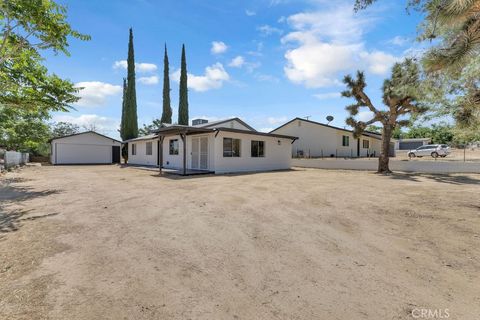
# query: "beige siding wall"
(234, 124)
(316, 140)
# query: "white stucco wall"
(277, 156)
(141, 157)
(317, 140)
(86, 148)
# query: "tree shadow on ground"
(17, 193)
(441, 178)
(11, 219)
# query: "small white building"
(317, 139)
(220, 147)
(84, 148)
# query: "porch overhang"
(183, 132)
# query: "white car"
(433, 150)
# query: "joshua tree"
(401, 95)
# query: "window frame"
(176, 151)
(134, 149)
(148, 147)
(345, 141)
(367, 144)
(232, 147)
(257, 155)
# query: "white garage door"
(72, 153)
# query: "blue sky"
(265, 61)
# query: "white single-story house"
(317, 139)
(85, 148)
(413, 143)
(219, 147)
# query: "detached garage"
(85, 148)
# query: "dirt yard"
(104, 242)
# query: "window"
(366, 144)
(231, 147)
(173, 147)
(345, 141)
(258, 149)
(148, 149)
(134, 149)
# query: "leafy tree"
(131, 122)
(147, 129)
(124, 100)
(167, 109)
(60, 129)
(183, 97)
(439, 133)
(26, 28)
(24, 130)
(456, 26)
(401, 96)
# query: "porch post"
(160, 153)
(184, 140)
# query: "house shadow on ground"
(172, 176)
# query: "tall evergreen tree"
(131, 124)
(167, 109)
(124, 100)
(183, 98)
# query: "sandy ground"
(104, 242)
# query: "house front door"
(200, 153)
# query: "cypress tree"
(167, 109)
(131, 124)
(183, 97)
(122, 123)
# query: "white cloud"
(267, 30)
(399, 40)
(101, 124)
(327, 44)
(214, 77)
(218, 47)
(265, 129)
(237, 62)
(364, 115)
(327, 95)
(266, 78)
(121, 64)
(250, 13)
(148, 80)
(95, 93)
(379, 62)
(140, 67)
(276, 120)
